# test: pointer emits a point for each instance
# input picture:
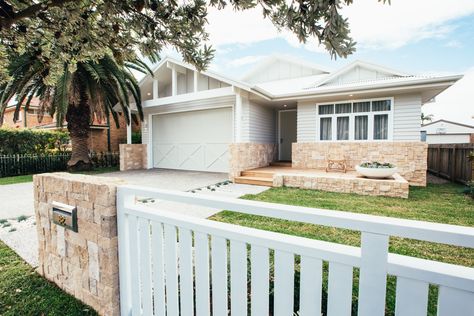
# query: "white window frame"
(352, 115)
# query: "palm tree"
(92, 90)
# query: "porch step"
(257, 174)
(281, 164)
(254, 180)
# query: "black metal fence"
(17, 165)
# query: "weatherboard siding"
(306, 122)
(258, 123)
(407, 117)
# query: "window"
(325, 128)
(361, 120)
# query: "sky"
(429, 37)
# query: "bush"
(136, 138)
(27, 141)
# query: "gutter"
(421, 83)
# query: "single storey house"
(447, 132)
(286, 110)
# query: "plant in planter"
(376, 170)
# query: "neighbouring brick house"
(100, 133)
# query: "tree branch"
(30, 11)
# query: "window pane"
(362, 106)
(382, 105)
(326, 109)
(325, 128)
(381, 126)
(343, 108)
(361, 127)
(343, 128)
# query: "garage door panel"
(191, 156)
(196, 140)
(217, 157)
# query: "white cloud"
(454, 44)
(456, 103)
(373, 24)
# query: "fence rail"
(17, 165)
(451, 161)
(172, 264)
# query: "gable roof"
(226, 79)
(449, 122)
(267, 61)
(363, 64)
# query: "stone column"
(83, 263)
(133, 156)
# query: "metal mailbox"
(65, 215)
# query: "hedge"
(32, 142)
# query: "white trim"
(150, 142)
(238, 117)
(195, 81)
(206, 94)
(155, 89)
(279, 129)
(352, 115)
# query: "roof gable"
(278, 67)
(359, 71)
(447, 127)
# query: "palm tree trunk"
(78, 119)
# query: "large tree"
(73, 31)
(90, 91)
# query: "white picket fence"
(171, 264)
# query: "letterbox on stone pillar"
(82, 259)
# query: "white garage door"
(195, 140)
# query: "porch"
(283, 174)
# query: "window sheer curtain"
(361, 127)
(381, 126)
(343, 128)
(325, 128)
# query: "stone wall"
(84, 264)
(133, 157)
(343, 183)
(409, 157)
(244, 156)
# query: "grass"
(24, 292)
(436, 203)
(29, 178)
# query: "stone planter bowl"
(376, 173)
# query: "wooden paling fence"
(451, 161)
(16, 165)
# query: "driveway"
(16, 200)
(198, 182)
(180, 180)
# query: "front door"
(287, 133)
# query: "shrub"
(136, 138)
(27, 141)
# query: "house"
(103, 136)
(286, 110)
(447, 132)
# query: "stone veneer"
(244, 156)
(344, 183)
(133, 157)
(409, 157)
(84, 264)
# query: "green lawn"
(29, 178)
(436, 203)
(24, 292)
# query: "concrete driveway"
(180, 180)
(16, 199)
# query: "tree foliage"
(74, 31)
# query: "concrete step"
(254, 180)
(257, 174)
(281, 164)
